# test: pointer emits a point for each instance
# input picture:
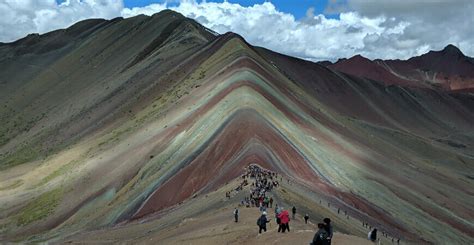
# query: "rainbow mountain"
(111, 127)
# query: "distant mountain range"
(448, 69)
(128, 130)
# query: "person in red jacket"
(284, 221)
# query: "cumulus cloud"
(21, 17)
(315, 37)
(424, 24)
(375, 29)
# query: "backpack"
(323, 236)
(278, 220)
(258, 221)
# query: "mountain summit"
(452, 50)
(145, 129)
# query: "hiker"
(262, 223)
(306, 217)
(278, 221)
(321, 236)
(284, 221)
(372, 236)
(236, 215)
(271, 202)
(328, 228)
(293, 211)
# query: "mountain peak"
(451, 49)
(359, 58)
(168, 12)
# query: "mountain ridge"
(448, 69)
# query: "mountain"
(448, 69)
(132, 130)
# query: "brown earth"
(215, 225)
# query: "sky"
(309, 29)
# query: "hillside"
(111, 128)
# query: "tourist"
(372, 236)
(328, 227)
(262, 223)
(284, 221)
(321, 236)
(236, 214)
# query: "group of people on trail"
(282, 219)
(324, 234)
(322, 237)
(264, 182)
(372, 235)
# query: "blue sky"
(296, 7)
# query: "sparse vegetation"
(26, 154)
(58, 172)
(12, 186)
(40, 208)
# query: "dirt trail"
(220, 228)
(208, 219)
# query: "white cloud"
(314, 37)
(375, 31)
(422, 25)
(21, 17)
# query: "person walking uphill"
(372, 236)
(328, 228)
(262, 223)
(284, 221)
(236, 215)
(321, 237)
(293, 210)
